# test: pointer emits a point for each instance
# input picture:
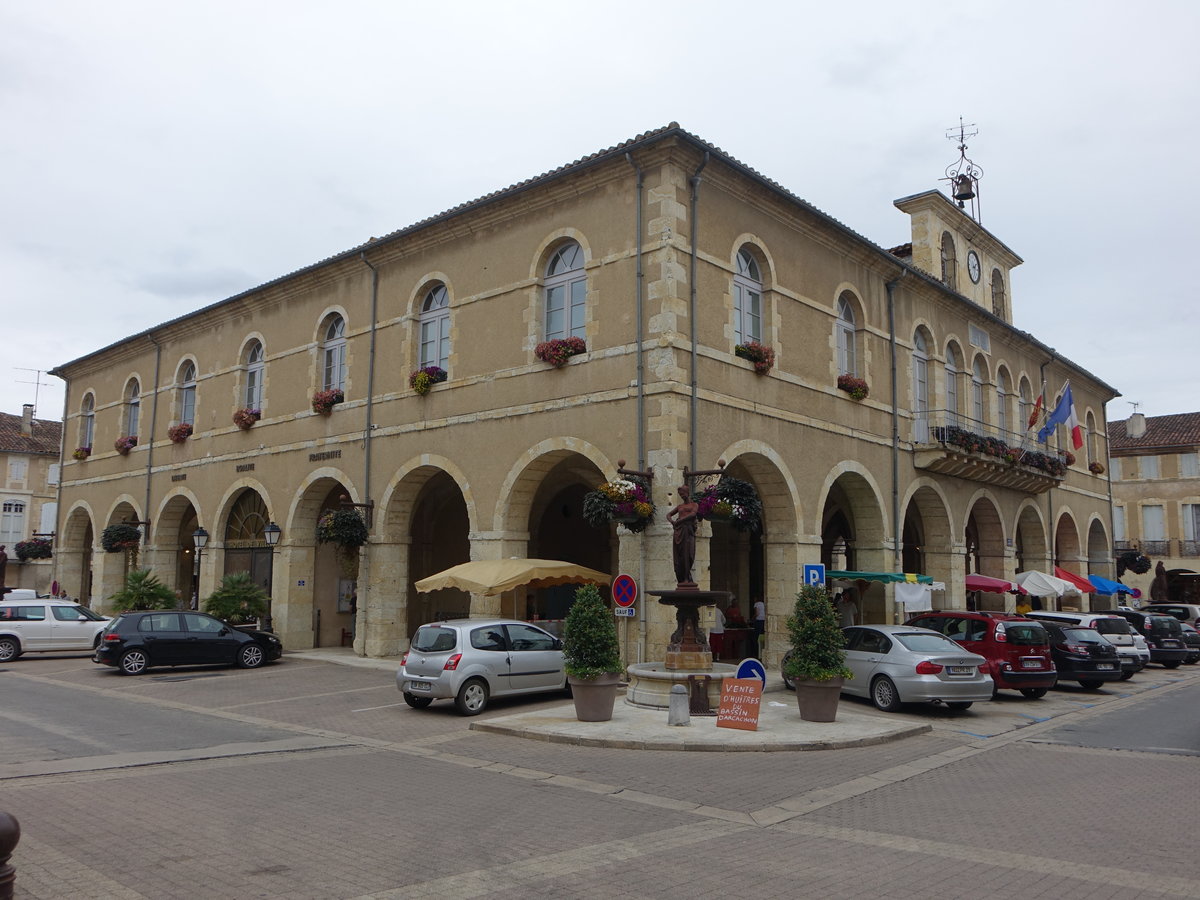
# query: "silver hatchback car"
(473, 660)
(894, 664)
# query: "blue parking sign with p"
(814, 574)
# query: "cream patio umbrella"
(495, 576)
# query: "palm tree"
(143, 590)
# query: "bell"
(963, 188)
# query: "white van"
(1114, 628)
(20, 594)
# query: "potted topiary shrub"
(592, 655)
(238, 600)
(142, 590)
(816, 663)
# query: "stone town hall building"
(663, 254)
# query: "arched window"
(333, 355)
(566, 294)
(949, 262)
(435, 328)
(255, 371)
(747, 299)
(1025, 405)
(997, 293)
(87, 421)
(187, 393)
(920, 387)
(1003, 389)
(952, 370)
(1093, 440)
(978, 377)
(845, 327)
(133, 407)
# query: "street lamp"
(272, 533)
(199, 538)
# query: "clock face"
(973, 266)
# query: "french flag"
(1064, 413)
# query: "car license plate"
(420, 686)
(1104, 667)
(960, 670)
(1031, 664)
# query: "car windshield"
(434, 639)
(1025, 633)
(927, 643)
(1163, 625)
(1083, 636)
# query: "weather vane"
(963, 174)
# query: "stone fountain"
(688, 659)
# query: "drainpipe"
(641, 388)
(59, 523)
(153, 431)
(694, 181)
(370, 425)
(896, 534)
(1112, 555)
(1050, 493)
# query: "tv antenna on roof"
(37, 382)
(1134, 404)
(963, 174)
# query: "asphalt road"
(308, 779)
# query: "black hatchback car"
(1163, 636)
(1082, 654)
(135, 641)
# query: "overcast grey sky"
(157, 157)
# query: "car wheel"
(134, 662)
(1173, 664)
(251, 656)
(9, 649)
(1034, 693)
(417, 702)
(787, 679)
(1125, 676)
(472, 697)
(884, 694)
(959, 704)
(1089, 684)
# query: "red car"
(1017, 649)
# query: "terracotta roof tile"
(46, 437)
(1162, 432)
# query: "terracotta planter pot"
(594, 697)
(818, 700)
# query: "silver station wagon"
(470, 661)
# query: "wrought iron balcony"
(952, 444)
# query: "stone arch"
(758, 249)
(852, 490)
(109, 569)
(983, 535)
(1099, 549)
(513, 512)
(1031, 548)
(74, 551)
(927, 536)
(764, 565)
(177, 518)
(1067, 548)
(550, 244)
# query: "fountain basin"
(650, 683)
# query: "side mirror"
(558, 644)
(81, 619)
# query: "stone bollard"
(677, 710)
(10, 834)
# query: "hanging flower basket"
(121, 536)
(559, 350)
(731, 500)
(245, 418)
(124, 444)
(34, 548)
(1096, 468)
(423, 379)
(1069, 457)
(761, 355)
(625, 500)
(323, 402)
(855, 387)
(180, 433)
(347, 531)
(81, 453)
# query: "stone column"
(382, 622)
(69, 572)
(495, 545)
(292, 604)
(109, 576)
(785, 558)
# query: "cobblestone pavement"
(336, 790)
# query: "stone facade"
(1155, 468)
(494, 461)
(29, 450)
